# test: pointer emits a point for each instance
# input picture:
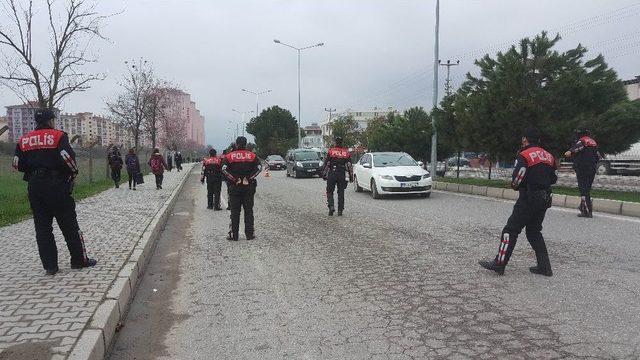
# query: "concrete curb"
(567, 201)
(96, 339)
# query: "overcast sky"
(376, 53)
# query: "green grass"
(562, 190)
(14, 203)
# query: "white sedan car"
(388, 173)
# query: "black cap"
(582, 132)
(212, 152)
(338, 140)
(241, 142)
(43, 115)
(532, 135)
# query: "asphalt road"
(392, 279)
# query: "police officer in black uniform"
(585, 156)
(241, 167)
(335, 170)
(48, 163)
(534, 173)
(212, 173)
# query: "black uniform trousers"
(528, 212)
(50, 198)
(241, 198)
(336, 180)
(159, 178)
(585, 174)
(214, 186)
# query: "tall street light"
(298, 50)
(257, 94)
(242, 113)
(434, 138)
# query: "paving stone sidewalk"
(43, 316)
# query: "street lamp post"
(257, 94)
(299, 50)
(242, 113)
(434, 138)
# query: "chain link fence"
(475, 166)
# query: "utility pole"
(434, 138)
(447, 85)
(330, 111)
(448, 89)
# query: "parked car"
(276, 162)
(453, 161)
(388, 173)
(303, 163)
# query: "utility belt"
(43, 172)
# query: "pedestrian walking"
(534, 173)
(158, 165)
(133, 168)
(241, 167)
(212, 174)
(169, 162)
(115, 163)
(585, 156)
(178, 159)
(48, 162)
(335, 170)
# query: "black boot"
(539, 271)
(340, 212)
(251, 236)
(491, 265)
(331, 210)
(584, 209)
(88, 263)
(52, 271)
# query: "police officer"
(241, 167)
(534, 173)
(212, 172)
(335, 169)
(48, 163)
(585, 156)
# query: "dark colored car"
(276, 162)
(303, 163)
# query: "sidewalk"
(42, 317)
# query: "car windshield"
(306, 156)
(275, 158)
(395, 159)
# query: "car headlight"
(320, 164)
(386, 177)
(299, 164)
(426, 176)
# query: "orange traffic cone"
(266, 172)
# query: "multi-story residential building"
(183, 118)
(362, 118)
(633, 88)
(4, 137)
(20, 119)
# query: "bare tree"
(158, 105)
(131, 106)
(72, 30)
(174, 128)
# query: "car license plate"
(311, 170)
(409, 185)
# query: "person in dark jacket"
(178, 159)
(334, 171)
(115, 163)
(158, 165)
(48, 162)
(169, 162)
(533, 175)
(585, 156)
(212, 173)
(133, 167)
(241, 167)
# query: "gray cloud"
(377, 53)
